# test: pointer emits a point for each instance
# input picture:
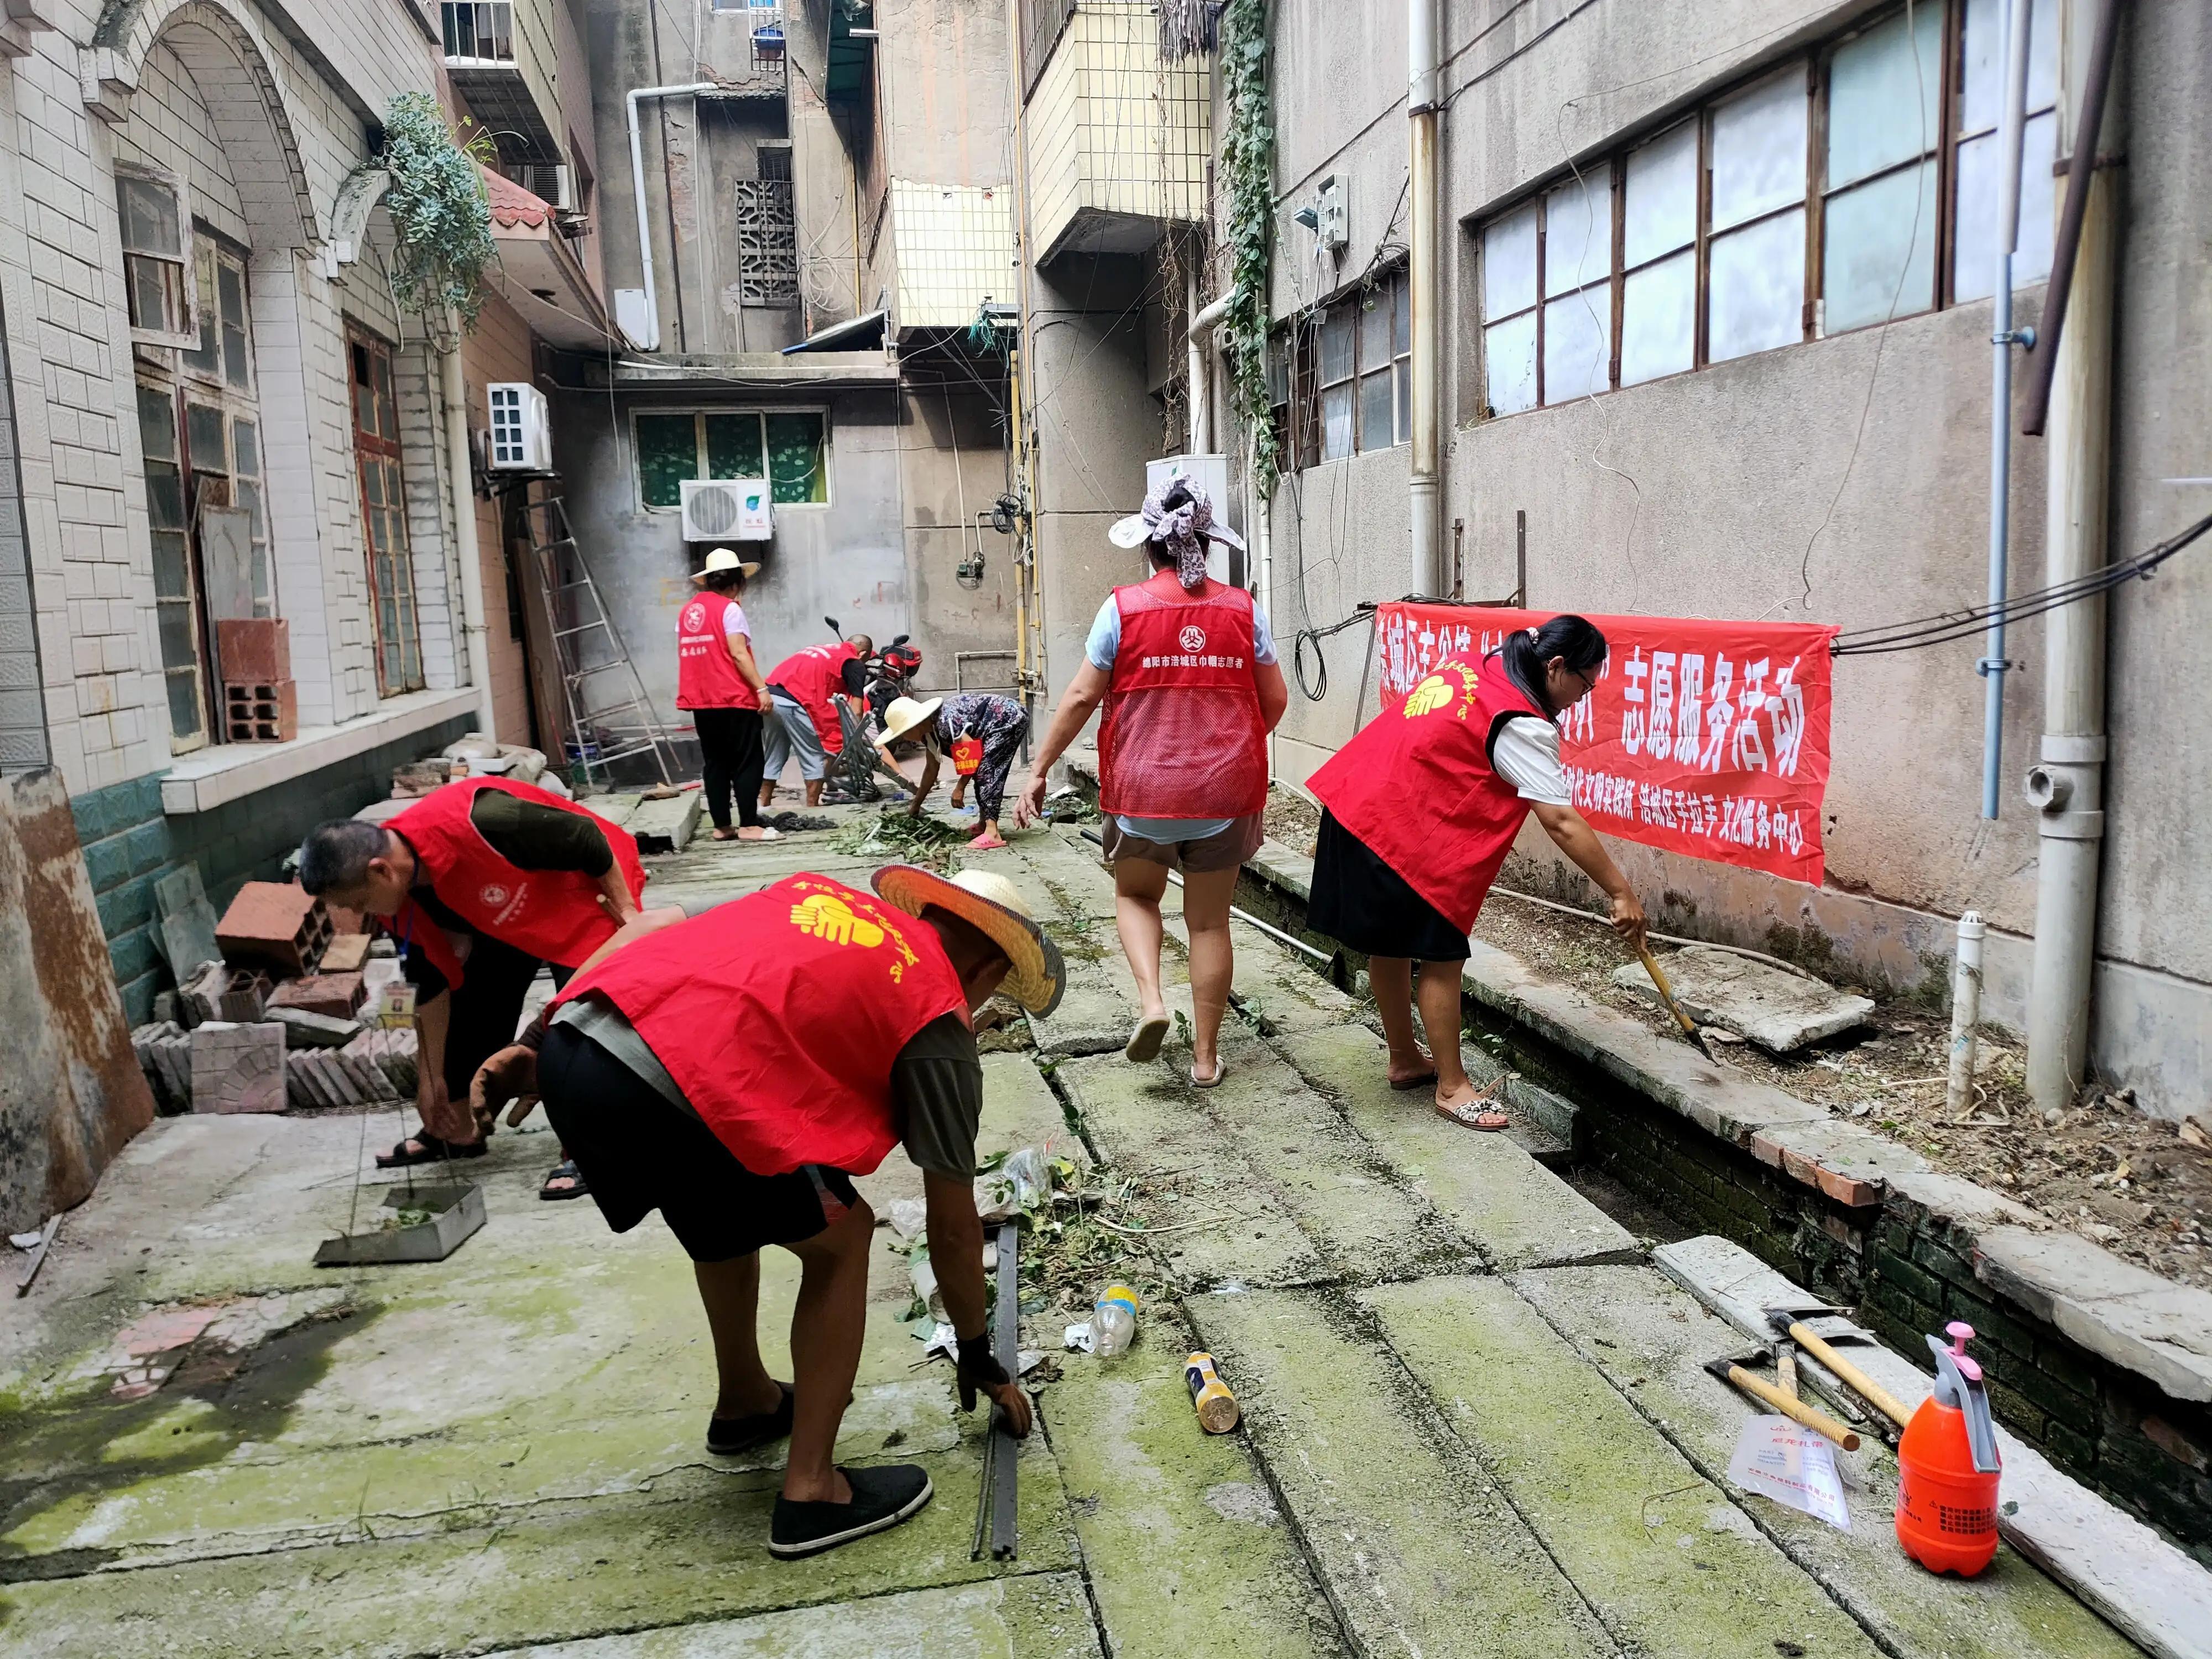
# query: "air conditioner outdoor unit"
(521, 441)
(551, 184)
(727, 510)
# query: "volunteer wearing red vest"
(802, 712)
(1187, 673)
(1422, 805)
(718, 683)
(735, 1072)
(480, 882)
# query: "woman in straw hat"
(982, 732)
(734, 1071)
(717, 682)
(1186, 671)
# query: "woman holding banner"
(1421, 807)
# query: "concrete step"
(1147, 1125)
(1668, 1562)
(1420, 1552)
(1651, 1339)
(1516, 1213)
(1186, 1550)
(1096, 1010)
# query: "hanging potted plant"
(441, 211)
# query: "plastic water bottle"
(1114, 1322)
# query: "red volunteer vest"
(779, 1016)
(553, 914)
(1417, 786)
(705, 677)
(1183, 736)
(810, 676)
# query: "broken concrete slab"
(1424, 1554)
(2152, 1591)
(304, 1028)
(667, 824)
(1033, 1615)
(1651, 1340)
(1689, 1573)
(1095, 1015)
(1516, 1212)
(1282, 866)
(2136, 1319)
(1779, 1011)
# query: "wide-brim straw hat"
(723, 559)
(907, 713)
(991, 904)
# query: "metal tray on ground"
(455, 1212)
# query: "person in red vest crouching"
(1187, 670)
(479, 882)
(1422, 806)
(718, 685)
(802, 710)
(735, 1072)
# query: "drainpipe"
(2067, 785)
(652, 342)
(1421, 192)
(455, 388)
(2002, 339)
(1200, 391)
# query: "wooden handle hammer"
(1849, 1375)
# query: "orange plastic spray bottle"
(1948, 1467)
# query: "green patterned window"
(733, 446)
(667, 454)
(797, 467)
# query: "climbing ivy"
(440, 213)
(1247, 157)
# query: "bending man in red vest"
(1187, 673)
(802, 710)
(1422, 805)
(479, 882)
(734, 1071)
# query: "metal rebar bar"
(1005, 1456)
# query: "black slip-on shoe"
(883, 1497)
(727, 1437)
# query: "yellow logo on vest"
(832, 920)
(1430, 695)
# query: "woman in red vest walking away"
(717, 682)
(1422, 806)
(1187, 670)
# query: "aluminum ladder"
(591, 658)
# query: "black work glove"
(978, 1366)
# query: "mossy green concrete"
(1186, 1551)
(1651, 1339)
(1682, 1572)
(1034, 1616)
(1517, 1212)
(1421, 1551)
(1367, 1224)
(1147, 1125)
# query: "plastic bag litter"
(1020, 1184)
(1792, 1465)
(909, 1217)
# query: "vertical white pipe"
(1992, 665)
(1421, 191)
(454, 389)
(652, 342)
(2069, 784)
(1965, 1013)
(1196, 397)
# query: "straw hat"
(906, 713)
(991, 904)
(722, 559)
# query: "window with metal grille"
(481, 30)
(767, 237)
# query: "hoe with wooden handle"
(1789, 1324)
(1732, 1372)
(1667, 995)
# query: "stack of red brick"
(260, 704)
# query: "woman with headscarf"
(1422, 806)
(982, 732)
(1187, 670)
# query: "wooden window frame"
(375, 446)
(186, 335)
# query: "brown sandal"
(1476, 1114)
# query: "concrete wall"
(1841, 481)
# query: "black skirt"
(1365, 905)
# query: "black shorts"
(1365, 905)
(640, 1151)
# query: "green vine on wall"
(440, 212)
(1247, 158)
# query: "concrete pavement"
(1475, 1422)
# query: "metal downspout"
(455, 389)
(637, 186)
(2068, 785)
(1421, 188)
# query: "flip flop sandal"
(725, 834)
(1411, 1083)
(565, 1170)
(1144, 1043)
(433, 1151)
(1220, 1071)
(766, 834)
(1473, 1115)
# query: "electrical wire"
(1317, 687)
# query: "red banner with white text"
(1703, 738)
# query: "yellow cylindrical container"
(1217, 1408)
